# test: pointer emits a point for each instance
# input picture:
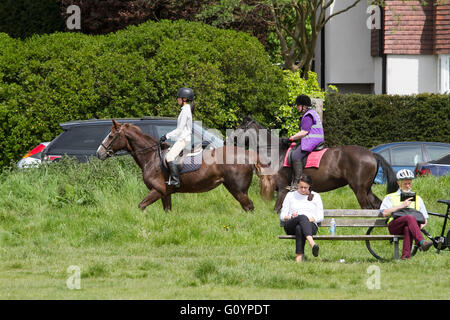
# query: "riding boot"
(174, 174)
(297, 168)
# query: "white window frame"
(444, 73)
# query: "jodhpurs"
(176, 149)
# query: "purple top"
(307, 122)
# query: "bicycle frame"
(440, 242)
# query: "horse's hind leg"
(363, 197)
(240, 195)
(374, 200)
(243, 199)
(149, 199)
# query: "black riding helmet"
(187, 93)
(303, 100)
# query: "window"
(386, 155)
(406, 155)
(436, 152)
(444, 73)
(163, 129)
(86, 137)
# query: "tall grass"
(207, 247)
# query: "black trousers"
(301, 227)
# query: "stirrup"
(170, 183)
(291, 188)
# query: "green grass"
(207, 247)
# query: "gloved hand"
(162, 139)
(285, 141)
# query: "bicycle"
(440, 242)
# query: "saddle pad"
(286, 157)
(190, 163)
(314, 157)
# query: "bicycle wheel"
(380, 249)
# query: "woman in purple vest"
(311, 134)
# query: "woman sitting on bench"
(302, 210)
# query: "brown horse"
(235, 174)
(339, 166)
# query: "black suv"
(81, 139)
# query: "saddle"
(188, 162)
(288, 157)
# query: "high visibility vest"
(395, 198)
(315, 135)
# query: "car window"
(406, 155)
(85, 137)
(163, 129)
(436, 152)
(211, 135)
(385, 154)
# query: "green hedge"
(370, 120)
(24, 18)
(46, 80)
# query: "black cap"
(303, 100)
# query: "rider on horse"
(181, 135)
(311, 134)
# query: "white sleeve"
(386, 204)
(285, 209)
(173, 135)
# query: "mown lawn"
(86, 216)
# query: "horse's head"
(114, 141)
(248, 122)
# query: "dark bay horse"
(235, 174)
(339, 166)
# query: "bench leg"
(396, 248)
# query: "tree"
(296, 23)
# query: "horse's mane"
(249, 122)
(138, 131)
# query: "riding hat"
(303, 100)
(187, 93)
(405, 174)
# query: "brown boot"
(297, 170)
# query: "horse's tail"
(266, 179)
(388, 173)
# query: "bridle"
(108, 149)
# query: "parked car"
(81, 139)
(406, 155)
(33, 157)
(439, 167)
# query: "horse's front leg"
(149, 199)
(167, 202)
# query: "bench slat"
(348, 237)
(352, 213)
(355, 223)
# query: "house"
(400, 48)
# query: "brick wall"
(442, 28)
(409, 27)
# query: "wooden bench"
(355, 218)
